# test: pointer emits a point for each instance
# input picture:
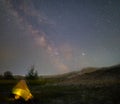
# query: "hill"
(93, 75)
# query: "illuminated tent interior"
(21, 90)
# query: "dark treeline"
(31, 75)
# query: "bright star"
(83, 54)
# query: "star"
(8, 19)
(83, 54)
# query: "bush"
(8, 75)
(32, 74)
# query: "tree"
(8, 75)
(1, 77)
(32, 74)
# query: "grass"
(66, 94)
(79, 94)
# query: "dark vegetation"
(32, 74)
(7, 75)
(101, 86)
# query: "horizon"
(40, 75)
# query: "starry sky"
(58, 36)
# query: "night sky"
(58, 36)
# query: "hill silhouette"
(92, 75)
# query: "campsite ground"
(66, 94)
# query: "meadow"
(51, 93)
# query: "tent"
(21, 90)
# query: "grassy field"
(65, 94)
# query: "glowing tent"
(21, 90)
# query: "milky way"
(58, 36)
